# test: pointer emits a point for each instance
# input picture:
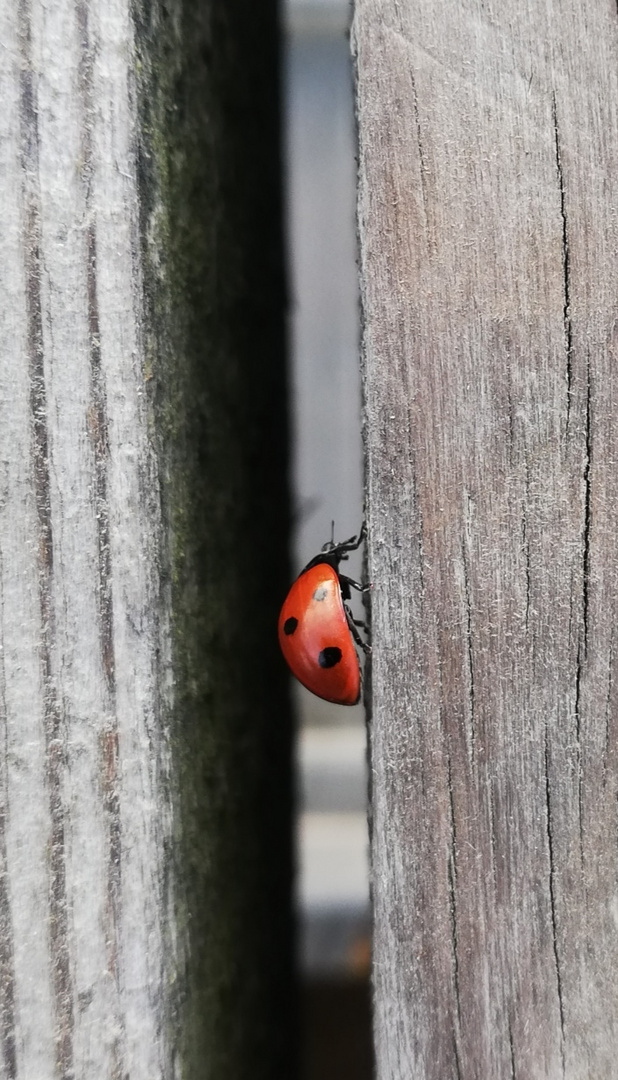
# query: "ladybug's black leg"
(353, 623)
(352, 544)
(354, 584)
(358, 639)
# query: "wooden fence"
(488, 217)
(145, 793)
(145, 825)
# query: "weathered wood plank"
(83, 832)
(488, 230)
(145, 826)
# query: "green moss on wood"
(211, 242)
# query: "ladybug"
(317, 630)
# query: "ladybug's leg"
(357, 622)
(353, 623)
(352, 544)
(358, 639)
(355, 584)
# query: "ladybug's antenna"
(332, 533)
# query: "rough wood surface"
(488, 230)
(144, 766)
(84, 811)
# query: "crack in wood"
(578, 745)
(419, 143)
(452, 884)
(492, 837)
(455, 956)
(552, 898)
(511, 417)
(457, 1059)
(511, 1050)
(453, 824)
(60, 960)
(574, 606)
(587, 508)
(566, 263)
(470, 661)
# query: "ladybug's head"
(339, 551)
(333, 553)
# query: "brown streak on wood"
(97, 411)
(109, 755)
(100, 446)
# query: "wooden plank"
(145, 777)
(488, 233)
(83, 908)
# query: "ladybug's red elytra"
(317, 630)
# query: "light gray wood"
(144, 733)
(85, 815)
(488, 239)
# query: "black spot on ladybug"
(289, 626)
(329, 656)
(320, 593)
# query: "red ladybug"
(317, 630)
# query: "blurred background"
(333, 891)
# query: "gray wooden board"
(145, 777)
(85, 814)
(488, 237)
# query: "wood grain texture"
(145, 781)
(488, 235)
(85, 814)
